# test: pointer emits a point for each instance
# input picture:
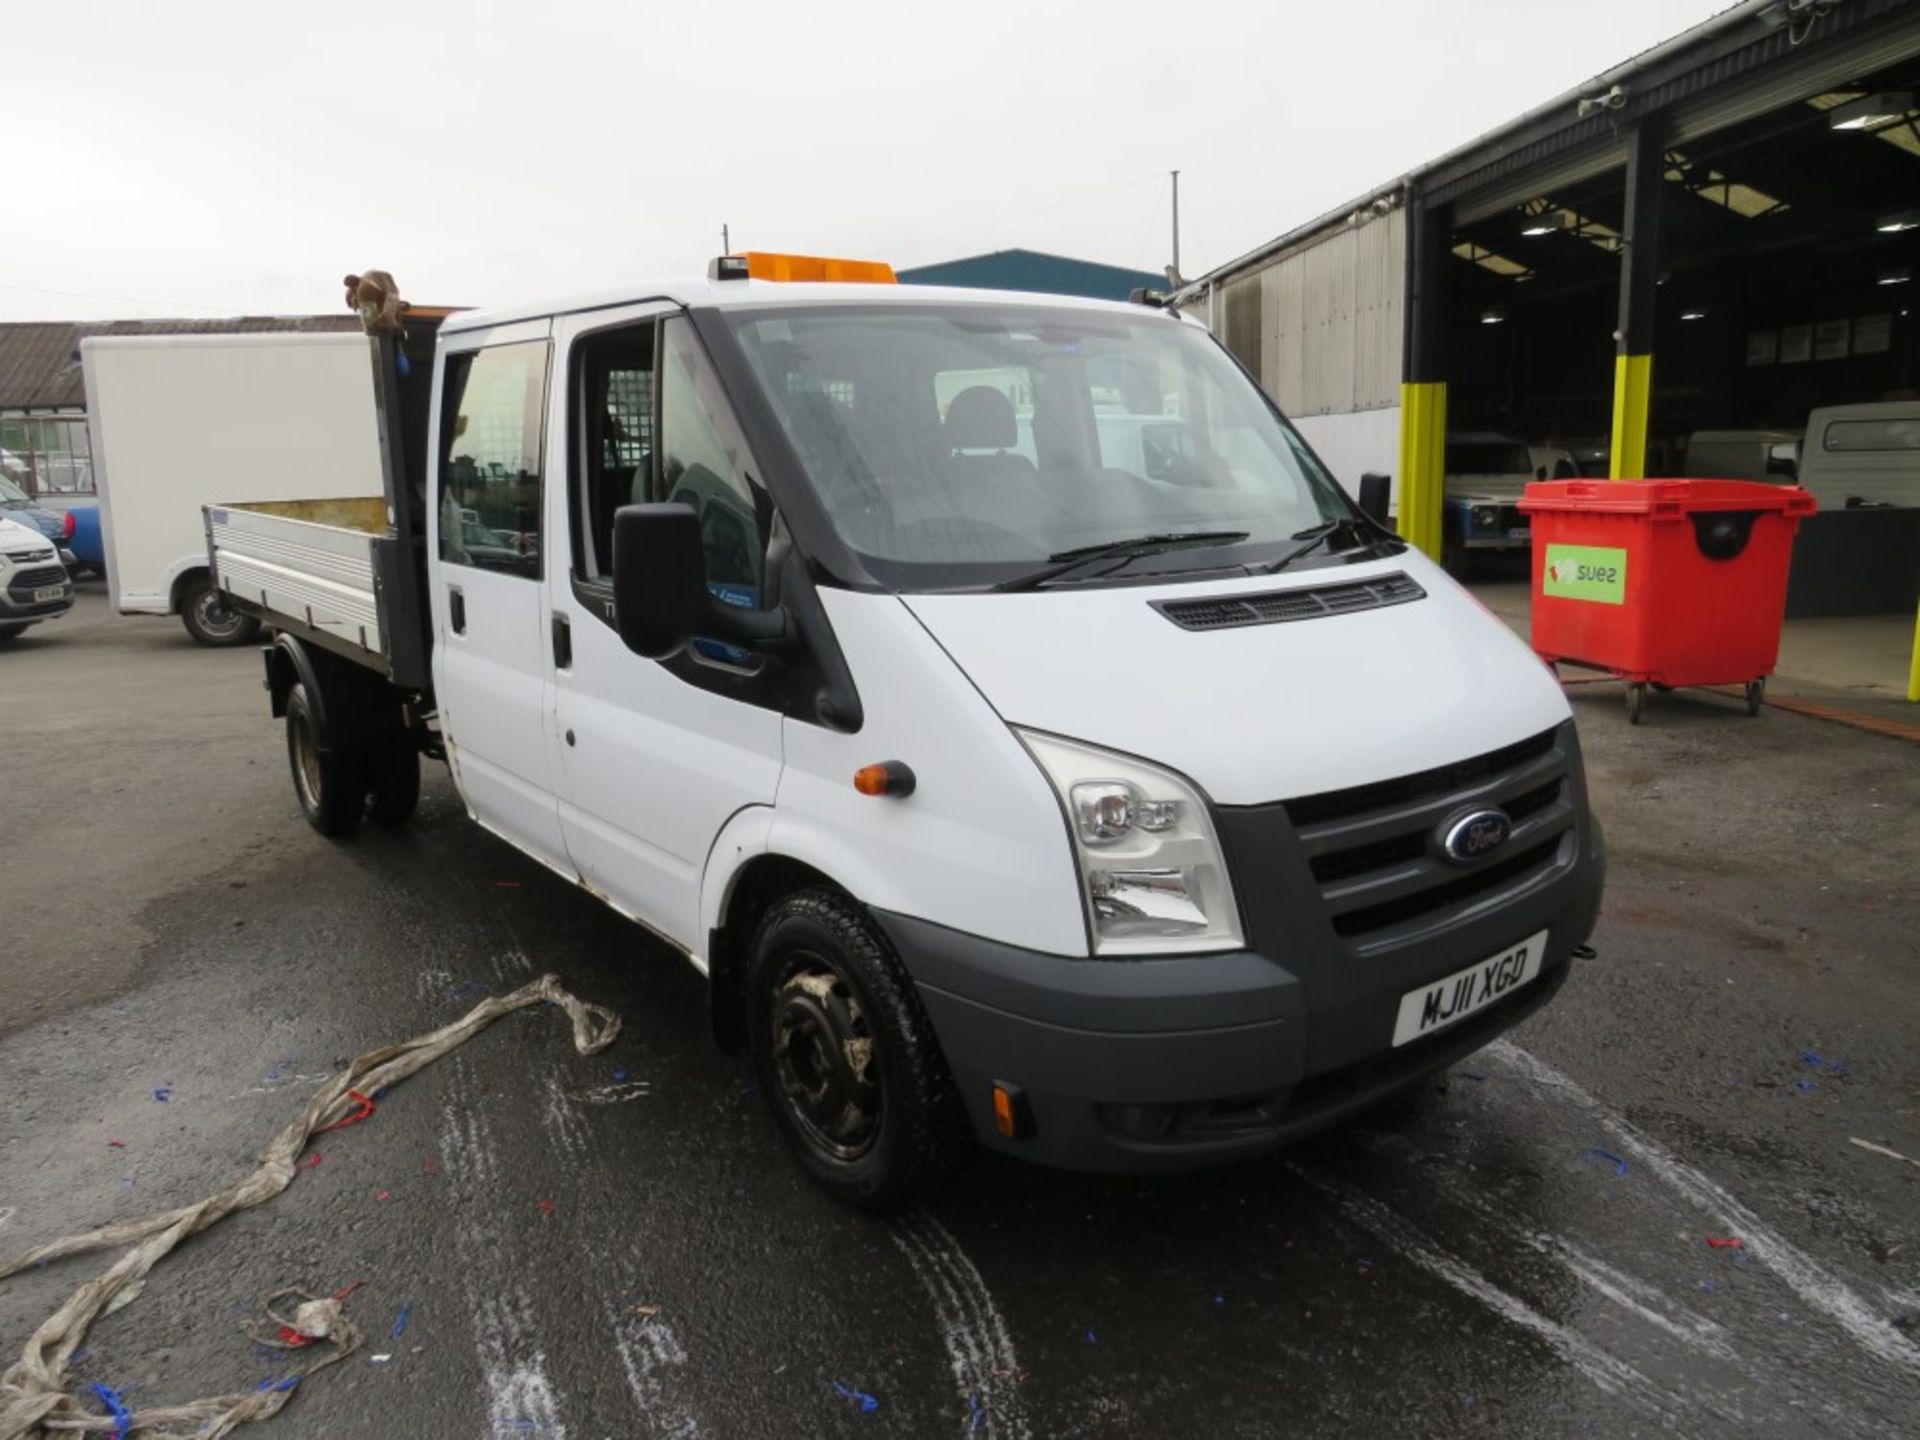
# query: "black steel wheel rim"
(824, 1061)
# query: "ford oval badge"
(1476, 835)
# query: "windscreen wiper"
(1067, 560)
(1311, 540)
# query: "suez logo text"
(1474, 988)
(1595, 573)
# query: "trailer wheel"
(846, 1055)
(393, 766)
(210, 620)
(330, 783)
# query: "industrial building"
(1037, 271)
(1694, 251)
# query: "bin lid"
(1664, 499)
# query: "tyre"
(331, 784)
(13, 630)
(1756, 695)
(1636, 701)
(210, 620)
(846, 1055)
(393, 771)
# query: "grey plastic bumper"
(1227, 1043)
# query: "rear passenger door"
(655, 756)
(490, 578)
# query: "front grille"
(1336, 804)
(1275, 607)
(1374, 853)
(1441, 897)
(28, 581)
(30, 557)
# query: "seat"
(981, 419)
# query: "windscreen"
(1488, 457)
(954, 446)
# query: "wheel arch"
(185, 573)
(743, 896)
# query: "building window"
(46, 455)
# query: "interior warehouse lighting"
(1493, 316)
(1871, 110)
(1894, 224)
(1896, 277)
(1693, 314)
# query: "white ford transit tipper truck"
(1133, 821)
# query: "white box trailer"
(179, 422)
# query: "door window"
(615, 457)
(705, 463)
(490, 458)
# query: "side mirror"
(1376, 492)
(661, 602)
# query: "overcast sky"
(212, 159)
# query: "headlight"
(1152, 876)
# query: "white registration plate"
(1523, 532)
(1436, 1006)
(49, 592)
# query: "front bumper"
(18, 588)
(1185, 1061)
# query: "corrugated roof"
(40, 361)
(1037, 271)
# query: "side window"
(490, 457)
(614, 459)
(705, 463)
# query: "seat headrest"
(981, 418)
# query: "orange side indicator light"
(889, 777)
(1011, 1115)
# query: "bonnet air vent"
(1227, 612)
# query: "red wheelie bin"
(1663, 582)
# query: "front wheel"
(211, 620)
(846, 1055)
(330, 783)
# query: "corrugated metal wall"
(1321, 326)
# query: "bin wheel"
(1636, 698)
(1756, 692)
(1663, 689)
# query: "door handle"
(456, 610)
(562, 642)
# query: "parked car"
(1486, 475)
(33, 583)
(1860, 456)
(87, 543)
(1743, 455)
(21, 508)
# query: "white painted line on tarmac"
(615, 1094)
(561, 1120)
(647, 1347)
(7, 1212)
(986, 1369)
(1607, 1371)
(1811, 1281)
(520, 1397)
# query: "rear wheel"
(846, 1055)
(330, 783)
(211, 620)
